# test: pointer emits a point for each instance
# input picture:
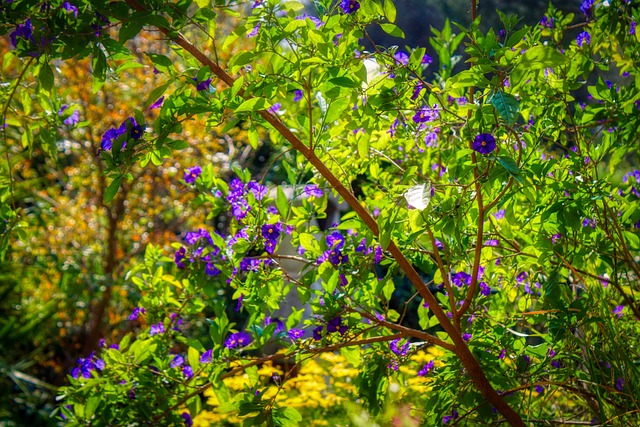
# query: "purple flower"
(70, 8)
(426, 369)
(632, 28)
(492, 242)
(317, 333)
(556, 237)
(157, 104)
(619, 384)
(318, 23)
(349, 6)
(85, 366)
(539, 389)
(73, 119)
(179, 256)
(202, 85)
(136, 313)
(313, 190)
(238, 340)
(275, 108)
(187, 419)
(587, 7)
(24, 31)
(297, 96)
(618, 311)
(177, 361)
(426, 59)
(377, 254)
(206, 356)
(447, 418)
(431, 139)
(191, 174)
(296, 334)
(335, 325)
(277, 321)
(156, 329)
(521, 277)
(255, 30)
(484, 143)
(466, 337)
(401, 58)
(187, 371)
(239, 304)
(461, 278)
(502, 354)
(556, 364)
(485, 289)
(587, 222)
(129, 127)
(583, 38)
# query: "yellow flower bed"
(323, 384)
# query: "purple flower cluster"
(199, 241)
(547, 22)
(271, 234)
(335, 242)
(156, 329)
(399, 349)
(129, 128)
(428, 367)
(237, 196)
(238, 340)
(23, 31)
(86, 365)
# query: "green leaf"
(129, 30)
(281, 202)
(510, 165)
(392, 30)
(45, 76)
(161, 62)
(193, 356)
(254, 137)
(507, 105)
(390, 10)
(309, 242)
(537, 58)
(253, 104)
(467, 78)
(112, 190)
(99, 64)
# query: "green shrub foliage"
(493, 207)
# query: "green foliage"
(516, 253)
